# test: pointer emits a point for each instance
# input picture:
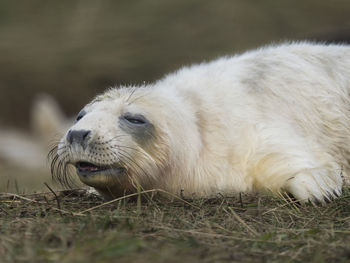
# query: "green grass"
(258, 229)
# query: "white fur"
(28, 150)
(272, 119)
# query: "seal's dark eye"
(80, 115)
(135, 120)
(136, 125)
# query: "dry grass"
(43, 228)
(74, 50)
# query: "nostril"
(86, 135)
(79, 137)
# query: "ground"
(75, 226)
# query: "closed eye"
(135, 120)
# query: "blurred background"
(56, 55)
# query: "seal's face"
(112, 145)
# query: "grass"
(78, 50)
(43, 228)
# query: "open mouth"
(86, 168)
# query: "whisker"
(131, 94)
(137, 151)
(127, 156)
(116, 137)
(140, 97)
(59, 165)
(115, 179)
(120, 147)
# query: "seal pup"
(27, 149)
(273, 119)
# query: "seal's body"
(274, 119)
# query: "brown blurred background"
(76, 49)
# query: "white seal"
(274, 119)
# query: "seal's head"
(120, 140)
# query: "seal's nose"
(79, 137)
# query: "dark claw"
(290, 197)
(316, 201)
(335, 193)
(327, 199)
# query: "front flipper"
(315, 185)
(283, 161)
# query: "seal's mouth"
(100, 176)
(87, 169)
